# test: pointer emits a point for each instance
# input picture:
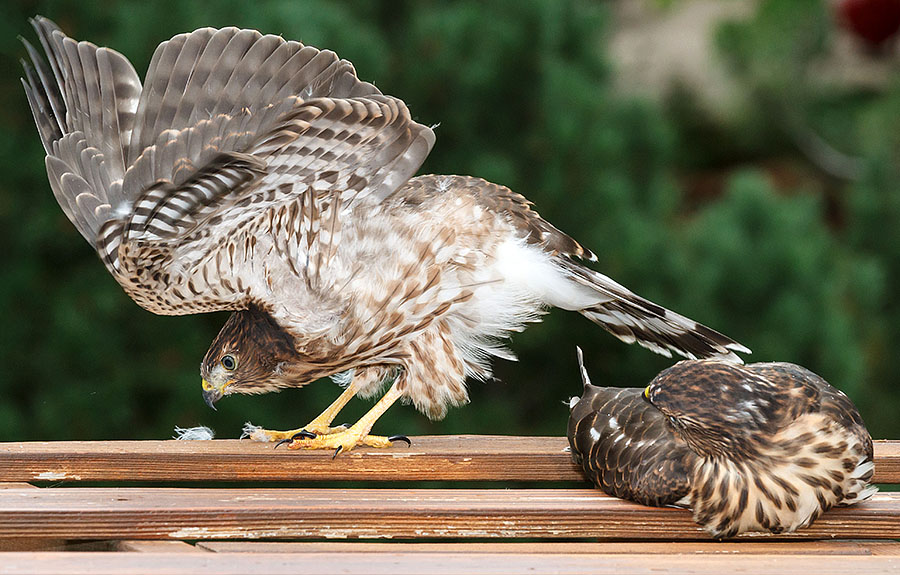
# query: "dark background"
(736, 161)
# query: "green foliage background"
(523, 92)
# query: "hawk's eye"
(228, 362)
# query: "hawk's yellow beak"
(211, 393)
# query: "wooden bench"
(444, 505)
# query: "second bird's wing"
(625, 447)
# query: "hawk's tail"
(634, 319)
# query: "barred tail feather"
(634, 319)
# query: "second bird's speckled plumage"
(761, 447)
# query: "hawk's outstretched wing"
(234, 136)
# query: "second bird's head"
(251, 354)
(718, 407)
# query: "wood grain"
(180, 513)
(830, 547)
(398, 563)
(439, 458)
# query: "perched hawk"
(761, 447)
(258, 175)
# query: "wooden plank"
(491, 458)
(20, 544)
(831, 547)
(155, 546)
(75, 563)
(891, 548)
(93, 545)
(440, 458)
(887, 461)
(28, 544)
(176, 513)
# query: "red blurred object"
(873, 21)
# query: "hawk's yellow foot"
(358, 434)
(321, 425)
(342, 441)
(257, 433)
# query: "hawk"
(258, 175)
(761, 447)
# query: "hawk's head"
(248, 356)
(719, 408)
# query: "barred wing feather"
(231, 129)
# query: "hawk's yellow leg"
(319, 426)
(358, 433)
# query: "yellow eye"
(646, 393)
(228, 362)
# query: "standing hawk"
(761, 447)
(258, 175)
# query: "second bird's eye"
(228, 362)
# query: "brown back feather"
(626, 448)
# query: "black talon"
(338, 450)
(302, 434)
(394, 438)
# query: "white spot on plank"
(55, 476)
(228, 533)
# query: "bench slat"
(77, 563)
(746, 547)
(180, 513)
(441, 458)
